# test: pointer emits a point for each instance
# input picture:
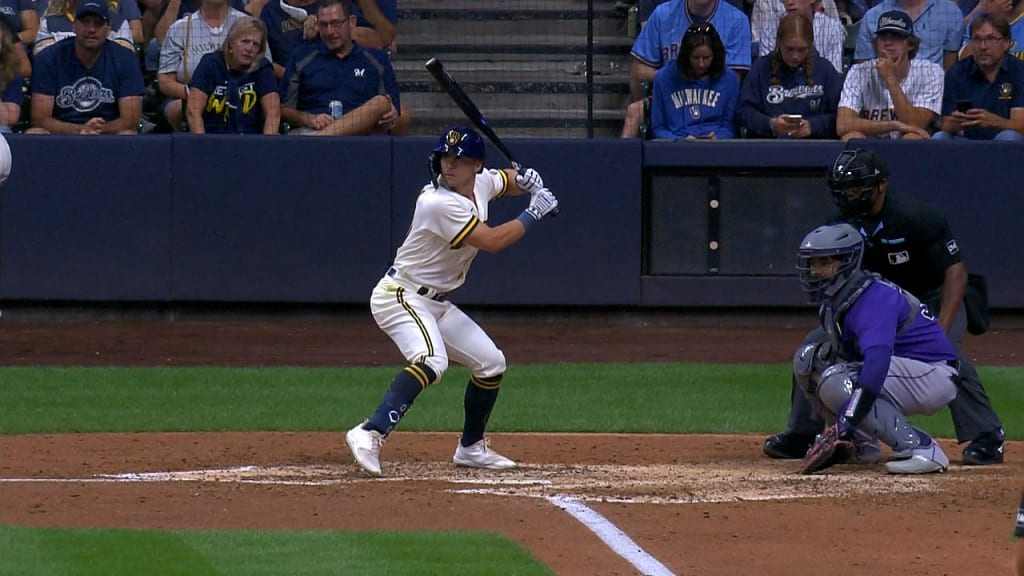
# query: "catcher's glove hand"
(827, 450)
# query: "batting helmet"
(840, 242)
(458, 141)
(853, 180)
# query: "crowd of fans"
(920, 69)
(700, 69)
(205, 66)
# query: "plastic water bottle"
(336, 109)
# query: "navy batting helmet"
(853, 180)
(840, 242)
(458, 141)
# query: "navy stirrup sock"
(481, 394)
(406, 386)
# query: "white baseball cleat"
(480, 455)
(921, 461)
(365, 446)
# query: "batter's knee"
(492, 366)
(439, 364)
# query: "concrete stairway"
(523, 62)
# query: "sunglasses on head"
(699, 29)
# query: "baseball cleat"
(480, 455)
(985, 450)
(365, 446)
(925, 460)
(787, 446)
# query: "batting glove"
(530, 181)
(542, 204)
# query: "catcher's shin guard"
(885, 422)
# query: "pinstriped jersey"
(435, 253)
(865, 93)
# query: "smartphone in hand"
(964, 105)
(793, 119)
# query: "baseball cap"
(896, 22)
(97, 7)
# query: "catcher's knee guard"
(810, 360)
(836, 385)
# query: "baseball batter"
(886, 355)
(449, 227)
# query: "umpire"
(911, 244)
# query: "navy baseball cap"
(895, 22)
(97, 7)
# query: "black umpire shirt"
(910, 244)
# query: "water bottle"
(336, 109)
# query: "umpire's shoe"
(986, 449)
(365, 446)
(480, 455)
(788, 445)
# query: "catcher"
(885, 357)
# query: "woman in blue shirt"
(696, 98)
(233, 90)
(792, 92)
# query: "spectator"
(289, 24)
(173, 10)
(11, 80)
(895, 95)
(57, 24)
(984, 94)
(98, 81)
(658, 44)
(335, 87)
(187, 41)
(119, 10)
(233, 90)
(696, 98)
(939, 22)
(22, 18)
(829, 34)
(853, 11)
(792, 92)
(376, 23)
(645, 8)
(1011, 11)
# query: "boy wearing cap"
(87, 84)
(939, 23)
(894, 96)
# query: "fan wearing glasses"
(696, 98)
(983, 98)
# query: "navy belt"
(422, 290)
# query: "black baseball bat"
(468, 107)
(463, 101)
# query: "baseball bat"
(463, 101)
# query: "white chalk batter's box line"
(694, 484)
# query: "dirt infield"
(697, 504)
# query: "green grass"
(642, 398)
(621, 398)
(55, 551)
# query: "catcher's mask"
(858, 173)
(458, 141)
(840, 242)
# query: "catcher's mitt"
(827, 450)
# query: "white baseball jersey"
(829, 36)
(865, 93)
(434, 253)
